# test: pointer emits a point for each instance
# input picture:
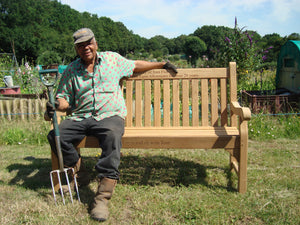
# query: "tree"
(294, 36)
(179, 43)
(36, 27)
(194, 48)
(276, 42)
(213, 37)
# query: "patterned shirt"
(97, 94)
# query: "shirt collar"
(81, 64)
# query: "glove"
(169, 66)
(50, 109)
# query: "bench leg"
(242, 184)
(55, 166)
(238, 163)
(242, 174)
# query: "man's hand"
(169, 66)
(50, 109)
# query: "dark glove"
(169, 66)
(50, 109)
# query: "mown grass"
(160, 187)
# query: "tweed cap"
(83, 35)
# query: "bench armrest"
(243, 112)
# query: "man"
(89, 88)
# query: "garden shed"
(288, 67)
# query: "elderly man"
(89, 88)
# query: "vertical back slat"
(223, 97)
(176, 107)
(157, 101)
(148, 103)
(185, 103)
(138, 103)
(129, 103)
(166, 104)
(195, 103)
(204, 102)
(214, 102)
(233, 90)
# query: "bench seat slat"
(185, 137)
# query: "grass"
(160, 187)
(32, 132)
(263, 127)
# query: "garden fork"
(49, 78)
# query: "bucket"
(8, 81)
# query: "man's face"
(87, 50)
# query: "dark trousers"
(109, 132)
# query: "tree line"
(40, 31)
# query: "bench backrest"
(194, 97)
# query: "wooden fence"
(21, 108)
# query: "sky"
(172, 18)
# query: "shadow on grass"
(34, 175)
(154, 170)
(135, 170)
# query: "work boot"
(105, 190)
(81, 174)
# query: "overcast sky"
(172, 18)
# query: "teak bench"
(195, 109)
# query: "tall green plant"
(240, 47)
(27, 77)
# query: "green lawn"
(160, 187)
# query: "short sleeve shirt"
(96, 94)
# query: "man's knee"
(112, 135)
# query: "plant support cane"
(49, 78)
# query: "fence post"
(22, 111)
(2, 108)
(8, 109)
(29, 108)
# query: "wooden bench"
(196, 109)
